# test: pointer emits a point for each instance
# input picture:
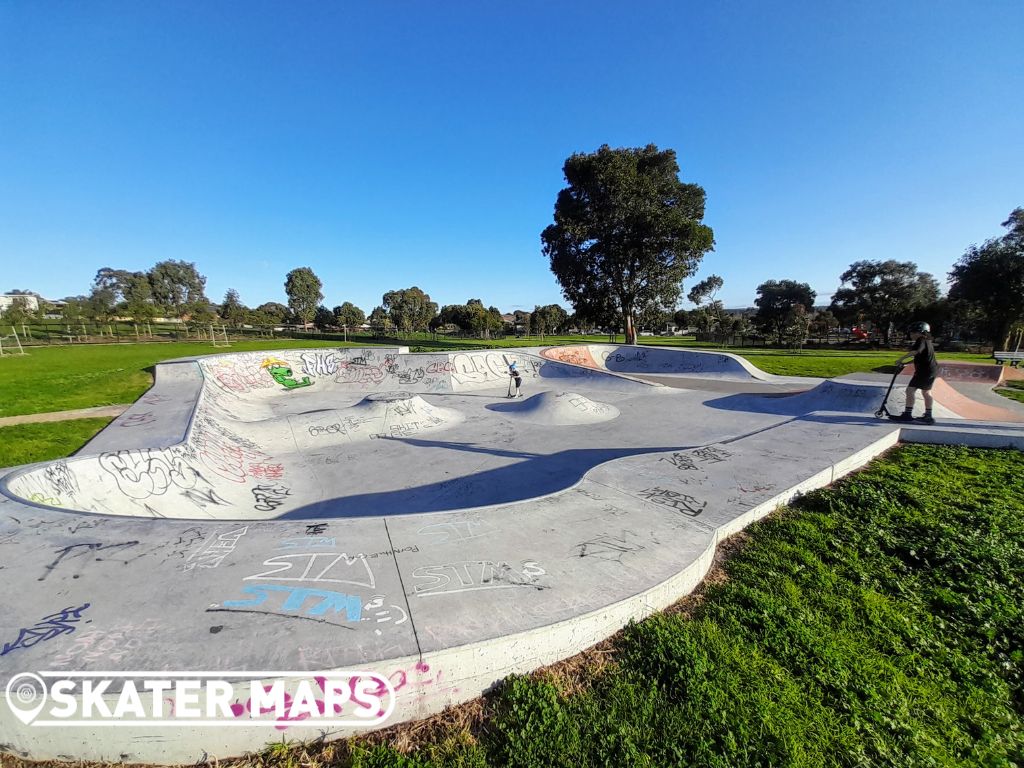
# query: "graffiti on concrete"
(461, 530)
(711, 454)
(267, 498)
(64, 622)
(61, 479)
(317, 567)
(238, 373)
(137, 419)
(93, 646)
(681, 461)
(308, 542)
(472, 575)
(142, 473)
(87, 550)
(281, 372)
(478, 368)
(204, 499)
(680, 502)
(608, 546)
(215, 549)
(319, 363)
(305, 601)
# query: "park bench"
(1013, 358)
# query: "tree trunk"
(627, 324)
(1004, 335)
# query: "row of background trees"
(627, 232)
(882, 296)
(176, 290)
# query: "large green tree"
(775, 302)
(626, 230)
(178, 289)
(349, 315)
(232, 310)
(410, 309)
(303, 289)
(548, 319)
(270, 313)
(707, 291)
(886, 293)
(990, 280)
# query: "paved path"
(100, 411)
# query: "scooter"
(882, 411)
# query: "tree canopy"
(349, 315)
(990, 279)
(232, 310)
(548, 319)
(886, 293)
(410, 309)
(178, 289)
(775, 302)
(303, 289)
(471, 317)
(626, 230)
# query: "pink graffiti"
(266, 471)
(227, 460)
(238, 709)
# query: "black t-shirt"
(925, 364)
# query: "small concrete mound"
(558, 409)
(380, 415)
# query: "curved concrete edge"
(160, 418)
(651, 359)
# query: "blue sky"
(391, 144)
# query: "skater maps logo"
(349, 699)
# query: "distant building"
(7, 299)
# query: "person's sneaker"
(902, 417)
(925, 419)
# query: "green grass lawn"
(1014, 390)
(876, 623)
(63, 378)
(27, 443)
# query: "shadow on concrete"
(535, 475)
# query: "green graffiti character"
(281, 372)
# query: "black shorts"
(921, 382)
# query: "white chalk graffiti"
(215, 549)
(327, 567)
(472, 575)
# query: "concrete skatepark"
(439, 533)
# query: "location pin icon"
(26, 696)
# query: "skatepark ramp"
(656, 360)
